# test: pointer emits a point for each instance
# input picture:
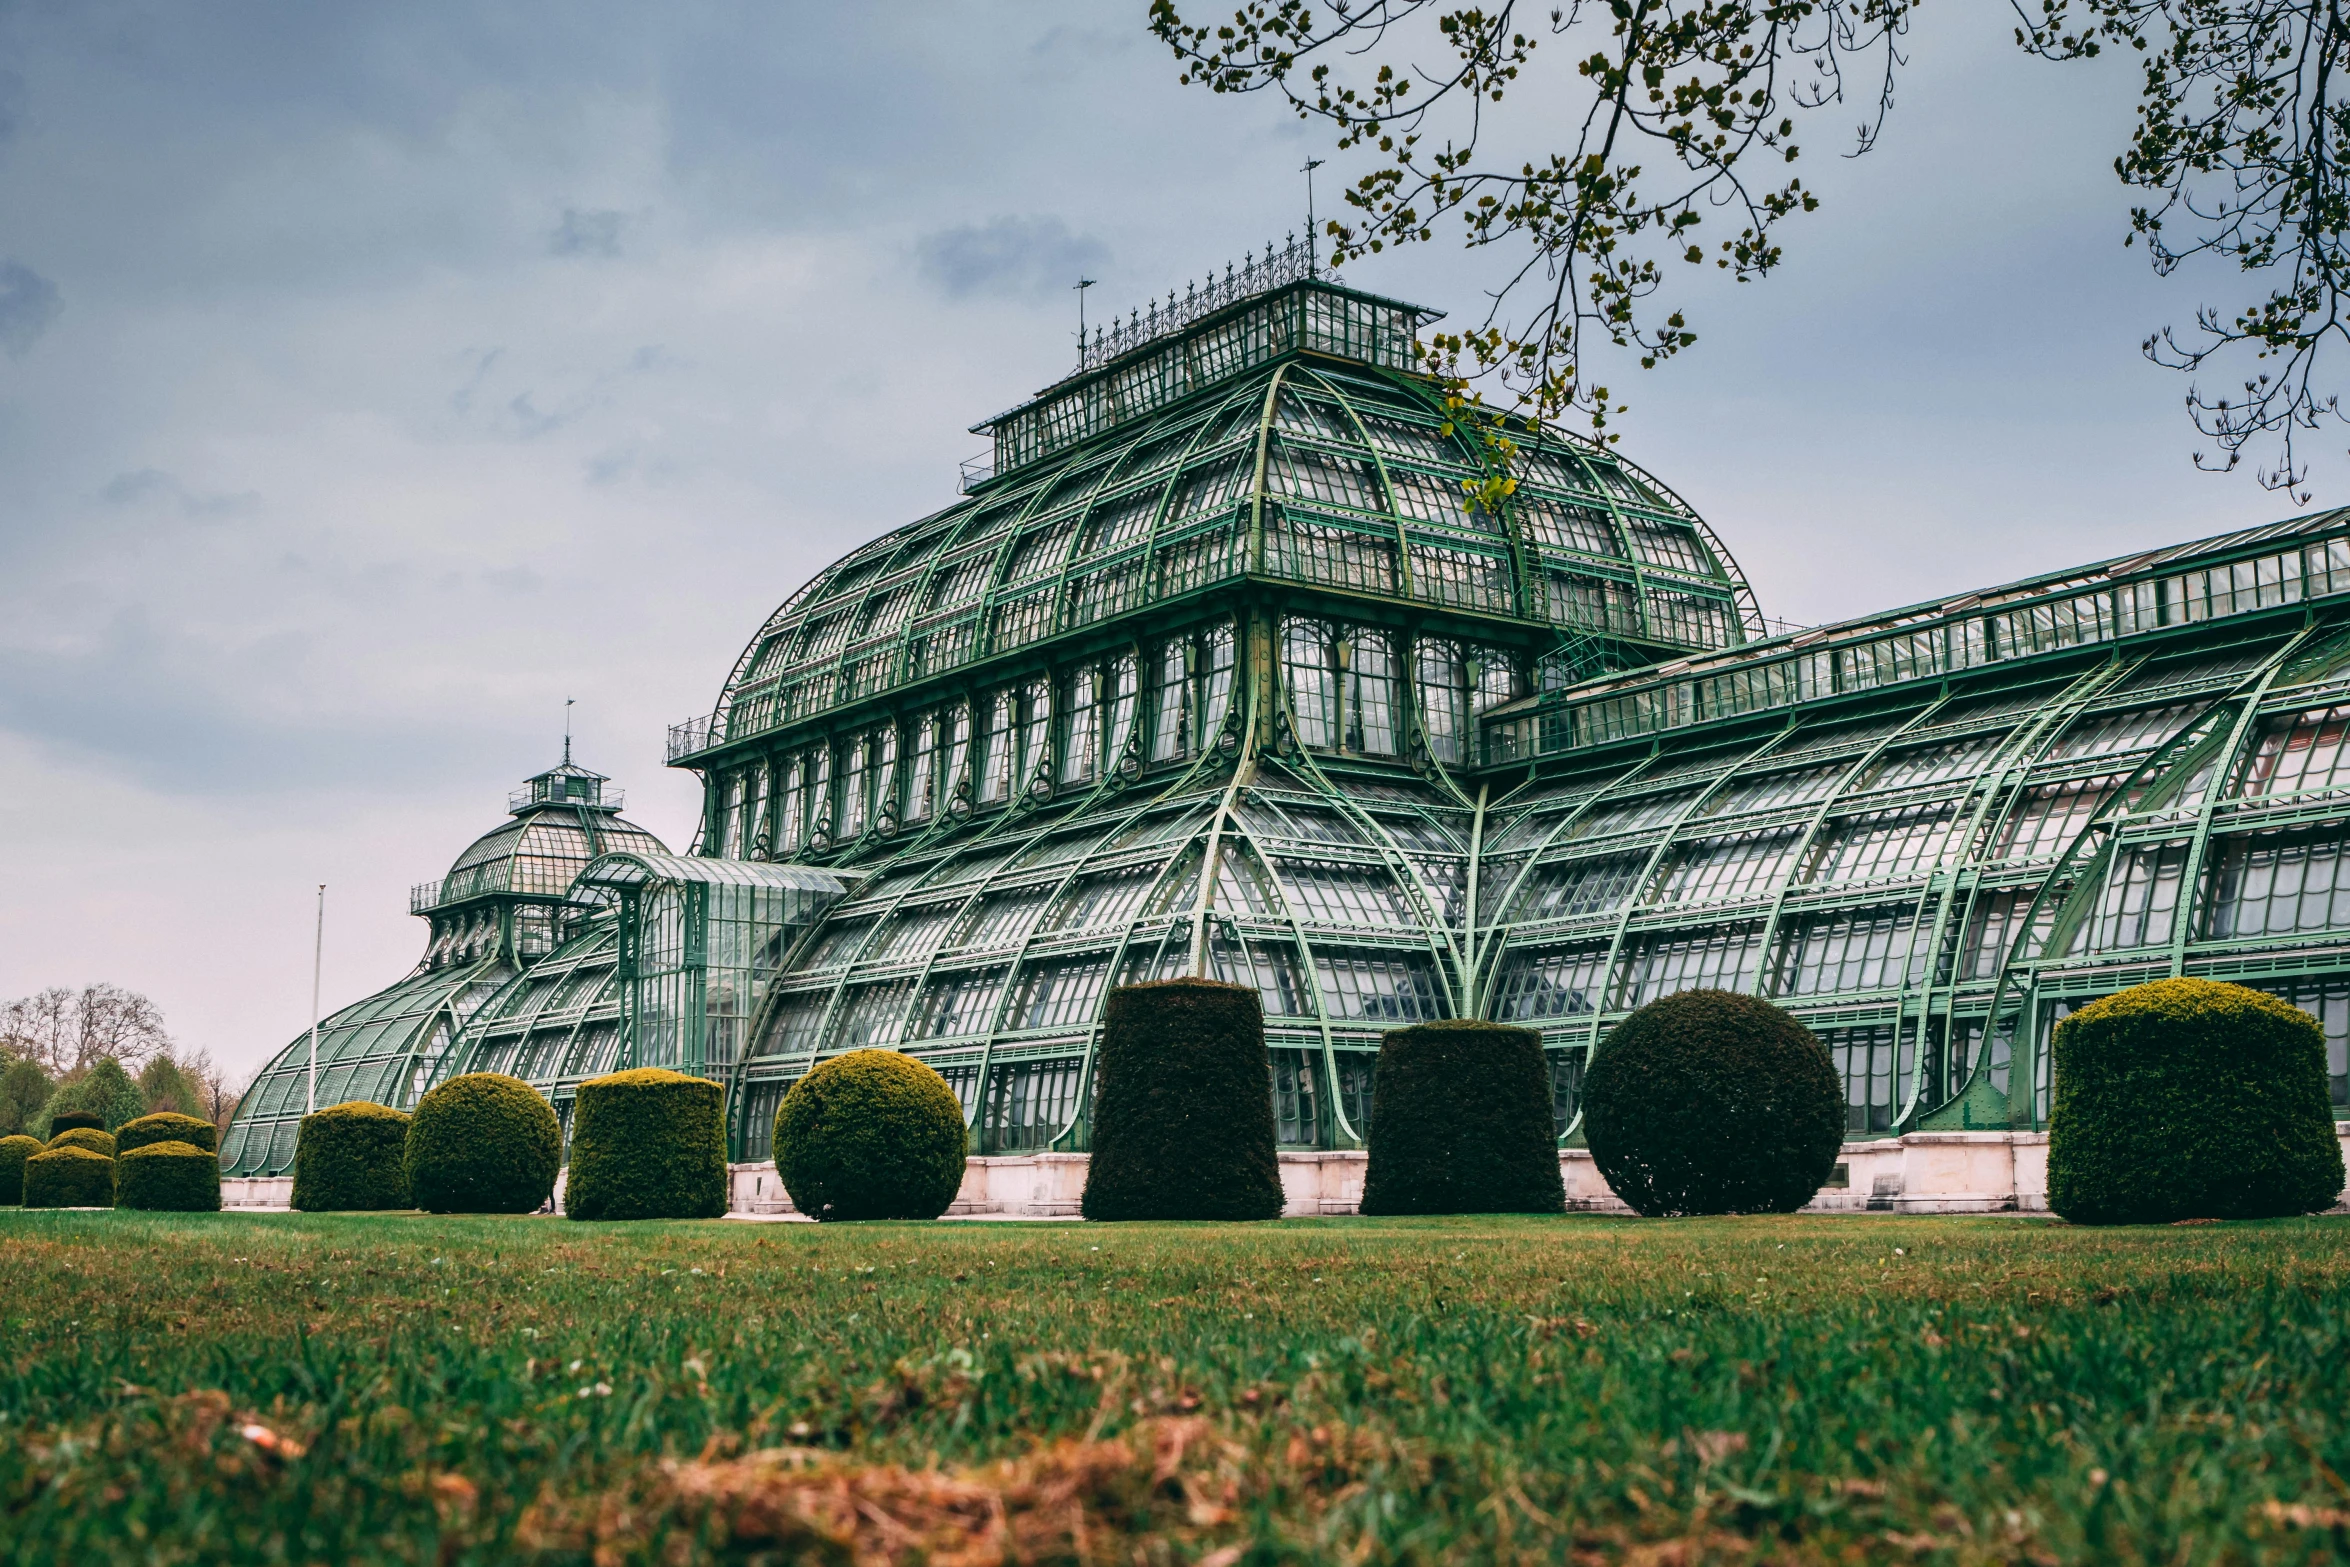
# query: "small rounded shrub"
(169, 1178)
(483, 1143)
(67, 1120)
(1461, 1122)
(2190, 1099)
(648, 1144)
(14, 1151)
(1713, 1102)
(872, 1134)
(1183, 1126)
(351, 1158)
(167, 1126)
(68, 1177)
(89, 1137)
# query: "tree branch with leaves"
(2239, 146)
(1676, 128)
(1683, 125)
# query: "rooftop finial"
(567, 701)
(1312, 269)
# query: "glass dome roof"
(1304, 468)
(500, 910)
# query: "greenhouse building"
(1244, 654)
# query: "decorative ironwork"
(1292, 262)
(1540, 767)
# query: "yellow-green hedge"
(2190, 1099)
(68, 1177)
(351, 1158)
(166, 1126)
(89, 1137)
(168, 1178)
(14, 1151)
(870, 1135)
(483, 1143)
(647, 1144)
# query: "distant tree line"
(101, 1049)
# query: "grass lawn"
(213, 1388)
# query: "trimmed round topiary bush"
(483, 1143)
(100, 1143)
(14, 1151)
(1461, 1122)
(351, 1158)
(872, 1134)
(1183, 1125)
(68, 1177)
(166, 1126)
(651, 1144)
(168, 1178)
(2190, 1099)
(1713, 1102)
(67, 1120)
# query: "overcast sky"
(372, 378)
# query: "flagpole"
(317, 962)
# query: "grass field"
(403, 1388)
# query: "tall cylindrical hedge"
(1713, 1102)
(68, 1177)
(483, 1143)
(873, 1134)
(648, 1144)
(14, 1151)
(351, 1158)
(89, 1137)
(1183, 1124)
(166, 1126)
(1461, 1122)
(168, 1178)
(2190, 1099)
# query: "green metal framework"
(1215, 671)
(1934, 833)
(503, 909)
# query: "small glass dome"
(499, 911)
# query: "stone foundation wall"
(1924, 1172)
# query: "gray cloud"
(197, 716)
(587, 232)
(145, 484)
(1009, 257)
(29, 306)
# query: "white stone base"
(257, 1191)
(1923, 1172)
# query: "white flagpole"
(317, 961)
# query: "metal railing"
(695, 734)
(1254, 275)
(977, 471)
(607, 797)
(424, 895)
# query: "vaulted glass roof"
(1304, 468)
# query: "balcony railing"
(609, 797)
(424, 895)
(977, 471)
(694, 735)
